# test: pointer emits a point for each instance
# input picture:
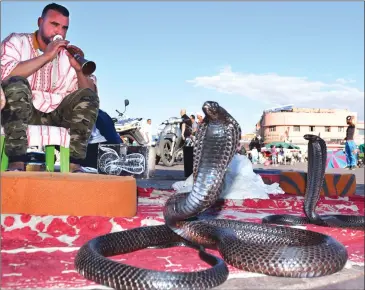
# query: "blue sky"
(164, 56)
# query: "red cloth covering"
(38, 251)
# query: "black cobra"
(262, 248)
(317, 156)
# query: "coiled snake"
(262, 248)
(317, 156)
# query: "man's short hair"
(59, 8)
(148, 120)
(348, 118)
(192, 116)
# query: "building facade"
(290, 124)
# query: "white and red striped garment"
(19, 47)
(47, 93)
(39, 135)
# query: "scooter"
(130, 128)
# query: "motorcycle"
(131, 128)
(169, 147)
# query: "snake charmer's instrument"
(87, 66)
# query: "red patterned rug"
(38, 251)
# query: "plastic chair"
(49, 137)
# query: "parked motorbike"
(131, 128)
(169, 146)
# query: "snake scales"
(262, 248)
(317, 156)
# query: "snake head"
(213, 111)
(311, 137)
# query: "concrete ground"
(347, 279)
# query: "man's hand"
(73, 62)
(3, 100)
(53, 48)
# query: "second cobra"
(260, 248)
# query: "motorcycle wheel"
(167, 160)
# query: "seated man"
(44, 85)
(103, 133)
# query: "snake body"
(317, 156)
(262, 248)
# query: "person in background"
(350, 146)
(147, 132)
(255, 143)
(199, 117)
(274, 155)
(186, 126)
(194, 124)
(103, 133)
(254, 155)
(43, 84)
(281, 155)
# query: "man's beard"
(45, 39)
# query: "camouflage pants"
(78, 112)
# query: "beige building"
(290, 124)
(248, 137)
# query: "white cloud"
(272, 88)
(345, 81)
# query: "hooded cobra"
(317, 156)
(261, 248)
